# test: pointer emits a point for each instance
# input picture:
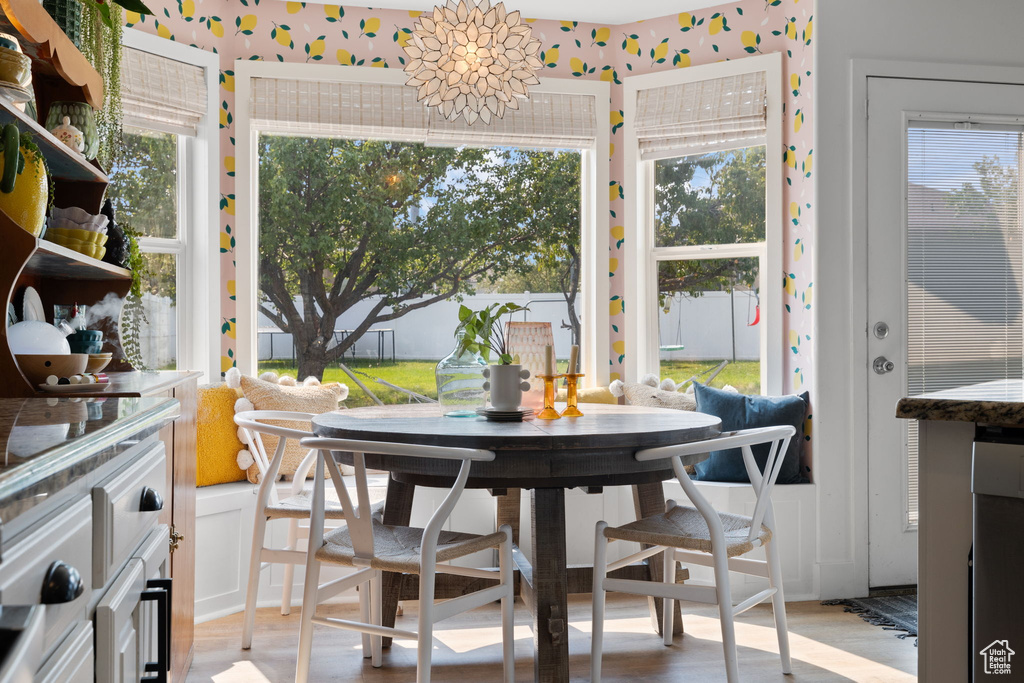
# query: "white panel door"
(944, 275)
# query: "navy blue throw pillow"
(739, 411)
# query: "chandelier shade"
(474, 61)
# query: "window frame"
(642, 353)
(198, 226)
(594, 220)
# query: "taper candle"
(549, 365)
(574, 354)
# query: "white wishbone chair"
(700, 535)
(371, 547)
(269, 505)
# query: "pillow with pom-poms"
(269, 392)
(648, 393)
(217, 443)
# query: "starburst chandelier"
(474, 61)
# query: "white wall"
(701, 323)
(959, 38)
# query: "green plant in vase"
(484, 332)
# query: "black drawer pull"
(152, 501)
(62, 584)
(159, 591)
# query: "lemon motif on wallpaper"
(613, 265)
(227, 80)
(659, 53)
(402, 36)
(614, 191)
(600, 36)
(246, 24)
(282, 34)
(187, 8)
(794, 83)
(294, 7)
(369, 27)
(798, 120)
(751, 41)
(549, 57)
(616, 121)
(682, 59)
(718, 24)
(315, 50)
(334, 12)
(631, 44)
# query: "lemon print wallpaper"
(314, 33)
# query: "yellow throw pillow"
(264, 395)
(217, 443)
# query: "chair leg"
(364, 616)
(668, 577)
(425, 633)
(309, 600)
(732, 669)
(259, 530)
(508, 620)
(289, 569)
(376, 613)
(779, 604)
(597, 628)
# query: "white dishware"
(32, 307)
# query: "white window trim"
(199, 339)
(595, 337)
(641, 267)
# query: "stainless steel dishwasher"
(997, 591)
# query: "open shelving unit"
(60, 275)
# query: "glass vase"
(460, 382)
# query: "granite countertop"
(49, 444)
(999, 403)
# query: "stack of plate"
(496, 415)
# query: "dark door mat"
(891, 612)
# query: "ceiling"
(594, 11)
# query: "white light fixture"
(472, 61)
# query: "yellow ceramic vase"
(26, 204)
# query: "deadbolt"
(881, 330)
(882, 365)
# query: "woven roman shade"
(390, 112)
(688, 118)
(163, 94)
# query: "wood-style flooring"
(827, 645)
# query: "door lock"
(881, 330)
(882, 365)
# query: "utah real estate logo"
(997, 656)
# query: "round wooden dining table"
(544, 456)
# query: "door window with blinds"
(964, 261)
(163, 101)
(701, 147)
(378, 219)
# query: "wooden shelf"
(54, 261)
(64, 163)
(52, 53)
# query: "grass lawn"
(418, 376)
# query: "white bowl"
(80, 217)
(36, 337)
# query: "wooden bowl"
(98, 361)
(37, 367)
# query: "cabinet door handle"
(159, 591)
(63, 583)
(152, 501)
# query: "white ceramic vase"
(505, 382)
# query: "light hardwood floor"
(827, 645)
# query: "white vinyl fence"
(701, 325)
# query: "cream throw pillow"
(651, 397)
(264, 395)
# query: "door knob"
(881, 330)
(882, 365)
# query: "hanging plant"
(133, 313)
(102, 29)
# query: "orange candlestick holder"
(549, 412)
(571, 380)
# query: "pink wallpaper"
(332, 34)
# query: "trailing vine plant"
(102, 29)
(133, 313)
